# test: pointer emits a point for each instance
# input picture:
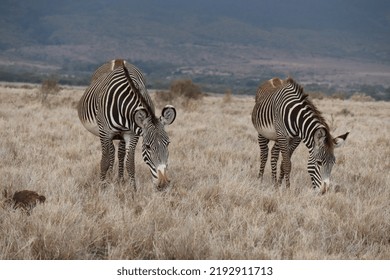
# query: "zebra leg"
(263, 144)
(293, 144)
(285, 168)
(131, 143)
(108, 156)
(121, 158)
(274, 162)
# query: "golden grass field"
(216, 208)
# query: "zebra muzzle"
(324, 186)
(162, 179)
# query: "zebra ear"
(168, 115)
(319, 136)
(339, 140)
(140, 116)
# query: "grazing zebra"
(267, 89)
(286, 115)
(116, 106)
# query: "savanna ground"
(216, 208)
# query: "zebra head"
(155, 142)
(322, 159)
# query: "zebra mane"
(307, 101)
(142, 98)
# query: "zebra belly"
(92, 127)
(268, 132)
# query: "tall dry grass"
(215, 209)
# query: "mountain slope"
(219, 36)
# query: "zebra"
(265, 89)
(117, 106)
(287, 116)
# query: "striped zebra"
(117, 106)
(283, 113)
(266, 89)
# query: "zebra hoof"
(133, 185)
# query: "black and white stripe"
(263, 120)
(116, 106)
(286, 116)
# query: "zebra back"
(105, 69)
(101, 79)
(133, 72)
(269, 87)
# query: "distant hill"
(217, 42)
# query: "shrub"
(358, 96)
(182, 92)
(48, 87)
(317, 95)
(186, 89)
(338, 95)
(228, 96)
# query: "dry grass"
(216, 207)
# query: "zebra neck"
(308, 128)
